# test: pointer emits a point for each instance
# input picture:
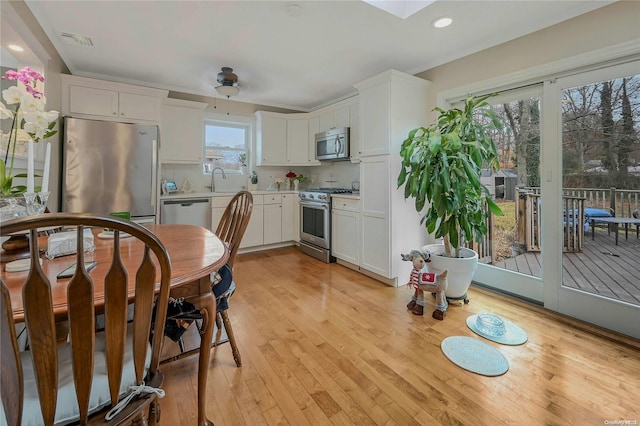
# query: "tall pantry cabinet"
(391, 104)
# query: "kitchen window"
(226, 145)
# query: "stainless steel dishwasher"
(188, 211)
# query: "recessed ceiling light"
(15, 48)
(442, 22)
(401, 9)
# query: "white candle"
(45, 172)
(30, 175)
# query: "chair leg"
(232, 339)
(219, 328)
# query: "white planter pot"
(460, 270)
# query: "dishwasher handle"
(186, 203)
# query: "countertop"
(353, 196)
(190, 195)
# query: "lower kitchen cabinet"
(290, 218)
(253, 236)
(274, 218)
(345, 229)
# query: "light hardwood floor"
(323, 345)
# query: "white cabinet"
(282, 139)
(271, 139)
(90, 98)
(218, 204)
(87, 100)
(253, 236)
(391, 104)
(335, 116)
(314, 127)
(272, 219)
(345, 229)
(354, 132)
(298, 141)
(375, 102)
(290, 218)
(181, 131)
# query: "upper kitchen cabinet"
(181, 131)
(336, 115)
(342, 114)
(98, 99)
(282, 139)
(391, 104)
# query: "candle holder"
(36, 202)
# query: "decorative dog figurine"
(422, 280)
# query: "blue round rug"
(474, 355)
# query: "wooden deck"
(602, 268)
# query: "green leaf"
(493, 207)
(402, 177)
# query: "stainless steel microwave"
(333, 145)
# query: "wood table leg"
(207, 305)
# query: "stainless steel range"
(315, 222)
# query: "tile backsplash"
(330, 174)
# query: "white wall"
(608, 26)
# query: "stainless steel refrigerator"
(110, 167)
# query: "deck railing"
(621, 202)
(529, 219)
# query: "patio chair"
(81, 380)
(594, 213)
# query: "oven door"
(315, 224)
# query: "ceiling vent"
(77, 39)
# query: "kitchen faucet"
(213, 178)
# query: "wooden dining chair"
(83, 379)
(231, 228)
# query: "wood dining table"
(195, 253)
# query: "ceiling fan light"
(227, 90)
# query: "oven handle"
(314, 205)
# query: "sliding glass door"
(592, 144)
(511, 261)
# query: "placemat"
(474, 355)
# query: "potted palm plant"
(441, 169)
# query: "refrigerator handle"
(154, 171)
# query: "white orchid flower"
(31, 104)
(5, 112)
(50, 116)
(14, 95)
(35, 129)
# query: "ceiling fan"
(228, 82)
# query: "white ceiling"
(298, 55)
